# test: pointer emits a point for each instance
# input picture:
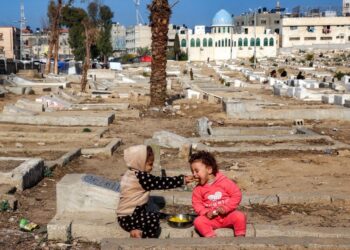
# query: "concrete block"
(16, 90)
(106, 151)
(328, 99)
(340, 199)
(11, 109)
(303, 198)
(59, 228)
(95, 227)
(65, 159)
(228, 243)
(269, 230)
(30, 105)
(233, 107)
(170, 140)
(347, 103)
(204, 126)
(77, 193)
(26, 175)
(259, 199)
(72, 120)
(192, 94)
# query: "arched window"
(216, 44)
(205, 43)
(266, 41)
(219, 44)
(272, 42)
(183, 43)
(223, 29)
(245, 42)
(219, 30)
(252, 42)
(226, 42)
(198, 42)
(240, 42)
(192, 42)
(229, 42)
(234, 44)
(210, 44)
(257, 42)
(222, 43)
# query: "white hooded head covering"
(136, 156)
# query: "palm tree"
(54, 14)
(159, 21)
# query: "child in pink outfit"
(215, 198)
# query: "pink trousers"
(235, 220)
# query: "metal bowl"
(181, 220)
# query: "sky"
(189, 12)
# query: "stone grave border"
(26, 175)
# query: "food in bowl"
(178, 219)
(181, 220)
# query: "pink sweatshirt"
(222, 192)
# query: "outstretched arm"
(151, 182)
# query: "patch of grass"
(4, 206)
(86, 130)
(48, 172)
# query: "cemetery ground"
(311, 183)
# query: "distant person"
(273, 73)
(284, 73)
(215, 199)
(135, 185)
(191, 74)
(208, 60)
(300, 76)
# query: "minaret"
(346, 7)
(278, 6)
(22, 27)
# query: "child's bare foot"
(136, 233)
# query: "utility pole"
(254, 39)
(232, 38)
(22, 27)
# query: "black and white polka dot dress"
(141, 219)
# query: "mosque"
(224, 42)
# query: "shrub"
(309, 57)
(339, 75)
(86, 130)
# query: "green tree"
(72, 18)
(177, 49)
(104, 43)
(143, 51)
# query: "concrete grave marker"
(101, 182)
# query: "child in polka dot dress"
(136, 185)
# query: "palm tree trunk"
(86, 65)
(54, 37)
(159, 21)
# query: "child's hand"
(221, 210)
(212, 214)
(188, 179)
(136, 233)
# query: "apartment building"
(9, 42)
(315, 32)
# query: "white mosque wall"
(240, 49)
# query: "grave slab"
(87, 193)
(25, 175)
